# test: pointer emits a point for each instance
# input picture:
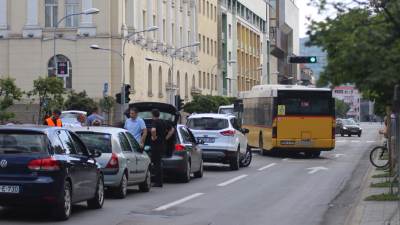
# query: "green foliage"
(383, 197)
(207, 103)
(107, 103)
(80, 101)
(341, 108)
(9, 92)
(363, 46)
(49, 91)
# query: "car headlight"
(344, 128)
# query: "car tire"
(199, 174)
(349, 135)
(185, 177)
(341, 133)
(98, 200)
(62, 211)
(145, 186)
(359, 134)
(246, 160)
(121, 191)
(316, 154)
(235, 161)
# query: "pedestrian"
(136, 126)
(54, 120)
(170, 138)
(94, 116)
(81, 120)
(158, 136)
(96, 123)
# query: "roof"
(272, 90)
(107, 130)
(213, 115)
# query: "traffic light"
(127, 93)
(302, 59)
(179, 102)
(118, 98)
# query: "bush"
(207, 103)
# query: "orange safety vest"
(50, 122)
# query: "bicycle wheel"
(379, 157)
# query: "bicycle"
(379, 156)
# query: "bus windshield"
(304, 103)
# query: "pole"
(123, 81)
(172, 91)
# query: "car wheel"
(349, 135)
(199, 174)
(316, 154)
(121, 191)
(359, 134)
(145, 186)
(235, 162)
(246, 160)
(341, 133)
(185, 177)
(98, 200)
(62, 211)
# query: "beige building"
(26, 45)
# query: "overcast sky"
(306, 11)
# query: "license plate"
(305, 142)
(207, 139)
(9, 189)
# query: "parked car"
(224, 141)
(348, 127)
(186, 158)
(122, 161)
(70, 118)
(48, 166)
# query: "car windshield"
(96, 141)
(207, 123)
(226, 111)
(349, 122)
(163, 116)
(22, 143)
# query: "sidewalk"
(374, 212)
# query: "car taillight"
(274, 132)
(113, 163)
(228, 133)
(46, 164)
(179, 148)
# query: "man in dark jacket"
(158, 135)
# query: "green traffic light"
(313, 59)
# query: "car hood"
(351, 126)
(163, 107)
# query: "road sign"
(105, 89)
(62, 69)
(302, 59)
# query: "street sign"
(105, 89)
(302, 59)
(62, 69)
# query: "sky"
(306, 11)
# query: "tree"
(80, 101)
(106, 105)
(363, 46)
(9, 92)
(49, 91)
(207, 103)
(341, 108)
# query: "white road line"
(354, 141)
(342, 141)
(370, 141)
(232, 180)
(285, 159)
(178, 202)
(267, 166)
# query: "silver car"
(122, 162)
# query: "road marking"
(232, 180)
(285, 159)
(341, 141)
(355, 141)
(370, 141)
(316, 169)
(339, 155)
(267, 166)
(178, 202)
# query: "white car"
(70, 118)
(222, 139)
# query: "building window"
(211, 11)
(132, 73)
(212, 82)
(169, 77)
(173, 33)
(193, 81)
(216, 83)
(204, 44)
(71, 7)
(200, 79)
(144, 20)
(150, 81)
(204, 80)
(212, 48)
(164, 31)
(230, 56)
(199, 4)
(186, 86)
(51, 13)
(201, 44)
(204, 7)
(208, 46)
(178, 83)
(160, 82)
(208, 81)
(216, 48)
(154, 24)
(180, 35)
(208, 10)
(230, 31)
(67, 73)
(215, 13)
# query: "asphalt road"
(274, 190)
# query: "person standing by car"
(94, 116)
(54, 120)
(136, 126)
(158, 139)
(170, 138)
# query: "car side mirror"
(245, 131)
(96, 153)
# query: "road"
(274, 190)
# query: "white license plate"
(9, 189)
(207, 139)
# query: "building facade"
(243, 48)
(27, 48)
(350, 95)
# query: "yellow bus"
(291, 118)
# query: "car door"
(129, 155)
(239, 134)
(142, 159)
(196, 152)
(90, 176)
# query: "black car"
(51, 167)
(348, 127)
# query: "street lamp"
(122, 55)
(90, 11)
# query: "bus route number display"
(281, 110)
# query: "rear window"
(305, 103)
(96, 141)
(23, 143)
(208, 124)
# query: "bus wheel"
(308, 154)
(316, 154)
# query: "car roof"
(28, 127)
(106, 130)
(213, 115)
(74, 112)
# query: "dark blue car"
(43, 166)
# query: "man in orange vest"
(54, 121)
